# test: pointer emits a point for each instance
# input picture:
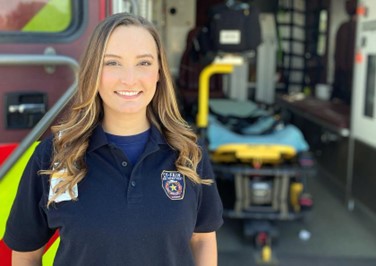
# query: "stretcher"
(261, 178)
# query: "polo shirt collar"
(99, 139)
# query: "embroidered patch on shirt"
(55, 179)
(173, 184)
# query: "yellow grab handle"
(203, 91)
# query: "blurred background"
(289, 116)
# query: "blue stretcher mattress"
(218, 135)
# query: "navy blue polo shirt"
(140, 216)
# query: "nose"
(128, 76)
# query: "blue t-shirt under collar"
(132, 146)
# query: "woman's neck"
(125, 126)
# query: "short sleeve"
(27, 228)
(210, 210)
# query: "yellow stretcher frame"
(256, 154)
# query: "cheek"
(151, 77)
(106, 84)
(107, 78)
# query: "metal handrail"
(48, 118)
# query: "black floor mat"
(324, 261)
(250, 259)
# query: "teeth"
(127, 93)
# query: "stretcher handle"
(203, 90)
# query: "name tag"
(65, 196)
(230, 37)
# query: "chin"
(132, 111)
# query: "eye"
(145, 63)
(111, 63)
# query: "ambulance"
(41, 42)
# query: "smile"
(127, 93)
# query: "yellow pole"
(203, 91)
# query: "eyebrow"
(138, 56)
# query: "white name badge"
(64, 196)
(230, 37)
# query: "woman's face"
(130, 72)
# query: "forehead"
(128, 39)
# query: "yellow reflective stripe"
(55, 16)
(8, 190)
(48, 257)
(9, 185)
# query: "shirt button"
(133, 183)
(124, 163)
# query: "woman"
(122, 178)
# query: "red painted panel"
(6, 150)
(35, 79)
(102, 9)
(5, 254)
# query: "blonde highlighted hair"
(71, 136)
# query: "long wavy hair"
(71, 136)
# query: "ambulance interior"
(298, 72)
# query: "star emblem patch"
(173, 184)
